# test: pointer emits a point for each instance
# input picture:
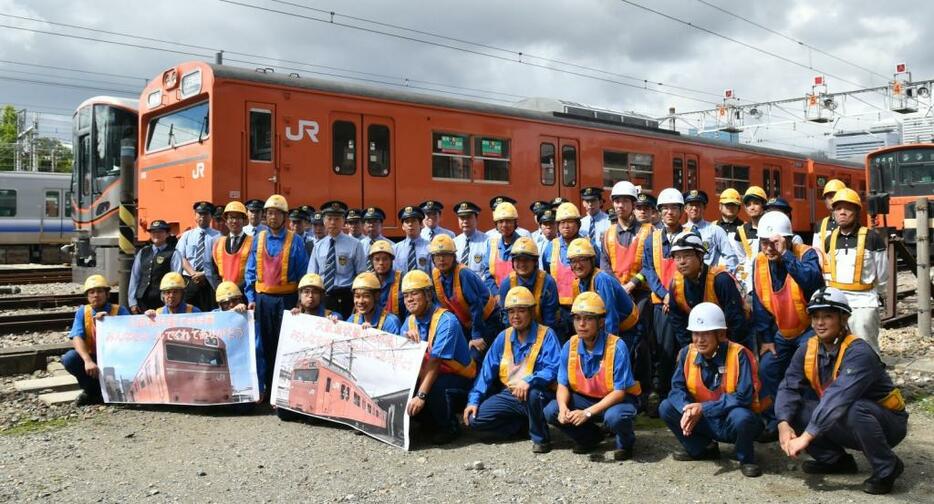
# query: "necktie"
(330, 268)
(465, 254)
(199, 253)
(593, 227)
(369, 262)
(431, 234)
(411, 261)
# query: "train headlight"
(154, 99)
(191, 84)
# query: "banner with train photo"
(347, 374)
(182, 359)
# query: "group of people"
(729, 331)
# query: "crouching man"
(525, 359)
(714, 393)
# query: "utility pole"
(922, 228)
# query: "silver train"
(35, 217)
(102, 126)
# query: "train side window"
(494, 152)
(327, 384)
(450, 156)
(52, 204)
(614, 168)
(356, 399)
(547, 157)
(344, 147)
(677, 173)
(735, 176)
(692, 174)
(777, 182)
(67, 203)
(569, 165)
(7, 203)
(767, 181)
(800, 186)
(378, 156)
(260, 135)
(640, 170)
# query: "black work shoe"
(651, 405)
(768, 436)
(712, 452)
(750, 470)
(85, 399)
(846, 464)
(582, 449)
(622, 454)
(443, 438)
(879, 486)
(541, 447)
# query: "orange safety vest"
(457, 303)
(625, 262)
(694, 379)
(822, 234)
(232, 266)
(272, 272)
(601, 383)
(536, 290)
(893, 401)
(448, 366)
(510, 372)
(677, 288)
(857, 283)
(741, 231)
(562, 274)
(499, 268)
(664, 266)
(392, 301)
(624, 325)
(90, 329)
(787, 305)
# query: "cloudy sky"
(595, 51)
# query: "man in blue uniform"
(720, 250)
(151, 263)
(595, 221)
(779, 204)
(317, 227)
(432, 221)
(412, 251)
(381, 256)
(255, 217)
(494, 202)
(373, 218)
(354, 221)
(297, 221)
(366, 288)
(646, 210)
(714, 393)
(338, 258)
(196, 245)
(515, 381)
(836, 395)
(547, 229)
(471, 243)
(172, 288)
(526, 273)
(448, 370)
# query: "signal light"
(901, 67)
(819, 80)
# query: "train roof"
(125, 103)
(531, 112)
(883, 150)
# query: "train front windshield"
(194, 355)
(908, 172)
(99, 131)
(308, 375)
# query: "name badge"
(342, 260)
(160, 259)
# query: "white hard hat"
(774, 224)
(670, 196)
(829, 298)
(688, 240)
(624, 188)
(706, 317)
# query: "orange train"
(902, 174)
(221, 133)
(184, 366)
(320, 388)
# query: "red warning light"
(901, 67)
(819, 80)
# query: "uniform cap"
(706, 317)
(333, 207)
(646, 199)
(374, 213)
(411, 212)
(158, 225)
(495, 201)
(537, 207)
(430, 206)
(354, 214)
(465, 208)
(203, 207)
(255, 205)
(519, 297)
(546, 216)
(592, 193)
(695, 196)
(779, 204)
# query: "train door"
(547, 164)
(345, 179)
(50, 227)
(261, 174)
(569, 160)
(684, 171)
(772, 180)
(379, 178)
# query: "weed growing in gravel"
(924, 404)
(34, 426)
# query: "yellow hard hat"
(226, 291)
(848, 195)
(235, 207)
(505, 211)
(311, 280)
(567, 211)
(755, 192)
(416, 280)
(366, 280)
(581, 247)
(442, 244)
(525, 246)
(588, 303)
(381, 246)
(730, 196)
(172, 280)
(95, 282)
(278, 202)
(519, 297)
(832, 186)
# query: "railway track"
(44, 321)
(35, 275)
(41, 302)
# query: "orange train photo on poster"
(321, 387)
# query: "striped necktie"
(431, 234)
(411, 265)
(199, 253)
(369, 261)
(593, 227)
(330, 268)
(465, 254)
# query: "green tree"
(7, 137)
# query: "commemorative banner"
(347, 374)
(195, 359)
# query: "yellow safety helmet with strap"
(832, 186)
(567, 211)
(730, 197)
(366, 280)
(519, 297)
(172, 280)
(235, 207)
(311, 280)
(278, 202)
(581, 247)
(442, 244)
(588, 303)
(525, 246)
(505, 211)
(381, 246)
(226, 291)
(95, 282)
(755, 192)
(416, 280)
(846, 195)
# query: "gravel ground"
(34, 338)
